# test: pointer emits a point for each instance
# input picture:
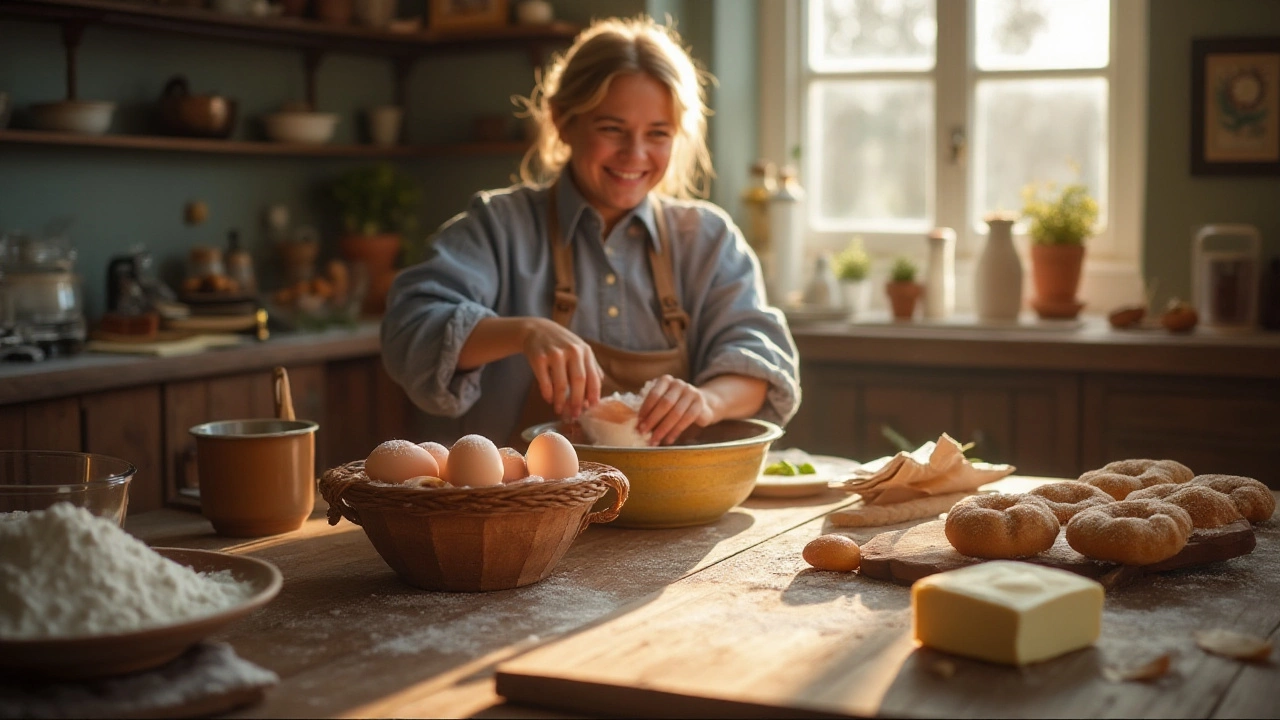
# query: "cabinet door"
(126, 424)
(367, 405)
(1222, 426)
(45, 425)
(1025, 419)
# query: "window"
(912, 114)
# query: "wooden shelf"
(289, 32)
(250, 147)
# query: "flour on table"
(65, 572)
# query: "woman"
(584, 280)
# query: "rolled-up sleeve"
(433, 308)
(736, 331)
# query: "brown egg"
(439, 452)
(551, 456)
(833, 552)
(513, 465)
(395, 461)
(474, 461)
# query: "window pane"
(871, 151)
(862, 35)
(1042, 34)
(1038, 131)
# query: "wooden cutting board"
(904, 556)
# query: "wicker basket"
(473, 539)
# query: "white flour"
(65, 572)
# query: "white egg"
(395, 461)
(552, 456)
(439, 452)
(475, 461)
(513, 465)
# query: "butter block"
(1007, 612)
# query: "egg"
(439, 452)
(395, 461)
(475, 461)
(513, 465)
(552, 456)
(833, 552)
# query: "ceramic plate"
(829, 467)
(76, 658)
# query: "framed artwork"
(446, 15)
(1235, 106)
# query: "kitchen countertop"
(1089, 345)
(349, 639)
(93, 372)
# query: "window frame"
(1113, 257)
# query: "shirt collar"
(573, 207)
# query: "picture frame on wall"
(450, 15)
(1235, 106)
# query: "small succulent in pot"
(903, 270)
(902, 288)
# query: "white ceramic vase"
(997, 281)
(940, 275)
(857, 297)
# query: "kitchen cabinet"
(1026, 419)
(313, 39)
(1050, 403)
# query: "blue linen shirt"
(494, 260)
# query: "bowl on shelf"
(90, 117)
(300, 126)
(473, 539)
(692, 482)
(33, 480)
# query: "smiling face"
(621, 147)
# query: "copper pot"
(182, 113)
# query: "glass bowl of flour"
(34, 480)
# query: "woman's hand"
(564, 367)
(671, 406)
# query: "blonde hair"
(578, 80)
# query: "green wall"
(1177, 202)
(118, 198)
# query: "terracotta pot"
(378, 255)
(1055, 275)
(903, 297)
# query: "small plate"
(829, 467)
(77, 658)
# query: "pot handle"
(176, 87)
(284, 399)
(620, 485)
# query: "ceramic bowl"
(693, 482)
(33, 480)
(90, 117)
(296, 126)
(473, 539)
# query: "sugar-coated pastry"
(1001, 526)
(1131, 532)
(1068, 498)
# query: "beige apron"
(624, 370)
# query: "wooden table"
(718, 620)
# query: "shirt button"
(610, 279)
(634, 231)
(613, 311)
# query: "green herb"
(852, 263)
(786, 467)
(1063, 219)
(903, 270)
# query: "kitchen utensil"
(35, 479)
(121, 653)
(300, 126)
(89, 117)
(693, 482)
(257, 476)
(473, 539)
(384, 124)
(182, 113)
(1225, 266)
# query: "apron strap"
(675, 321)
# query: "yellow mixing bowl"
(693, 482)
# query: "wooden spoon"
(284, 399)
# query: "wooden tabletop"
(718, 620)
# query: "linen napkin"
(935, 468)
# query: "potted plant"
(1060, 223)
(851, 266)
(902, 288)
(378, 205)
